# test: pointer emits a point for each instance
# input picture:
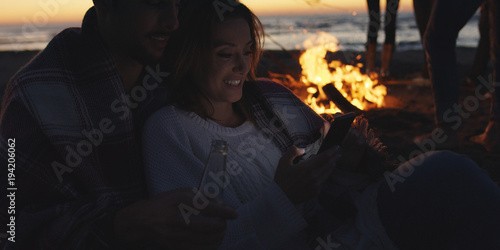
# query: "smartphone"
(338, 131)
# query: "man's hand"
(301, 182)
(353, 149)
(159, 219)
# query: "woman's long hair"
(190, 49)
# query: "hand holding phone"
(338, 131)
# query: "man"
(69, 129)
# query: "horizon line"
(353, 12)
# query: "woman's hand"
(301, 182)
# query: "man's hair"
(190, 49)
(110, 4)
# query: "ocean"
(282, 32)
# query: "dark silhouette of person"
(390, 35)
(446, 19)
(482, 57)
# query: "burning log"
(327, 85)
(340, 101)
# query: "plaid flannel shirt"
(272, 103)
(77, 151)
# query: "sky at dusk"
(40, 12)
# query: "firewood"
(343, 104)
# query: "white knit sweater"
(176, 146)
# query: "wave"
(287, 32)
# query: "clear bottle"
(215, 177)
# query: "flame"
(358, 88)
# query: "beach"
(408, 111)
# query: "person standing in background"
(489, 25)
(422, 10)
(390, 35)
(446, 19)
(482, 58)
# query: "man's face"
(140, 29)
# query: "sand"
(408, 112)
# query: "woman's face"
(231, 59)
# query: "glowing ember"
(356, 87)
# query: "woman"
(215, 96)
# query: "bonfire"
(330, 84)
